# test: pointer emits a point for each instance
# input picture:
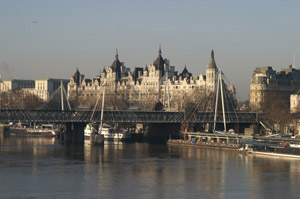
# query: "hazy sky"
(51, 38)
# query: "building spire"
(117, 55)
(159, 51)
(212, 62)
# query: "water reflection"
(137, 170)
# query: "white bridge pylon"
(58, 100)
(218, 90)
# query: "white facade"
(295, 103)
(147, 86)
(16, 84)
(44, 88)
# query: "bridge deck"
(124, 116)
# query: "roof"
(20, 80)
(54, 79)
(159, 62)
(212, 63)
(185, 73)
(136, 72)
(76, 76)
(116, 65)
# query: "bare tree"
(276, 110)
(19, 99)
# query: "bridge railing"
(122, 116)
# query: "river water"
(42, 168)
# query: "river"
(43, 168)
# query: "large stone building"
(145, 87)
(16, 84)
(43, 88)
(295, 103)
(267, 84)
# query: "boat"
(43, 130)
(269, 149)
(115, 133)
(88, 130)
(295, 145)
(274, 154)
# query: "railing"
(123, 116)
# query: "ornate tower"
(211, 72)
(116, 66)
(159, 63)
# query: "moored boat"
(47, 130)
(116, 134)
(88, 130)
(267, 149)
(274, 154)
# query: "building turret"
(103, 74)
(211, 73)
(77, 77)
(212, 63)
(159, 63)
(116, 66)
(185, 73)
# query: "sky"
(42, 38)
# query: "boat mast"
(167, 90)
(167, 81)
(102, 108)
(294, 61)
(62, 96)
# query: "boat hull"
(117, 137)
(273, 154)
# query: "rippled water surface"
(42, 168)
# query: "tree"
(276, 110)
(159, 106)
(19, 99)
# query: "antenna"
(294, 61)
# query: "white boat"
(274, 154)
(295, 145)
(116, 134)
(88, 130)
(269, 149)
(44, 129)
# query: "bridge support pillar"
(78, 133)
(3, 132)
(67, 134)
(237, 128)
(160, 133)
(74, 133)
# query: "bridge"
(58, 110)
(123, 116)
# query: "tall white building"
(16, 84)
(44, 88)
